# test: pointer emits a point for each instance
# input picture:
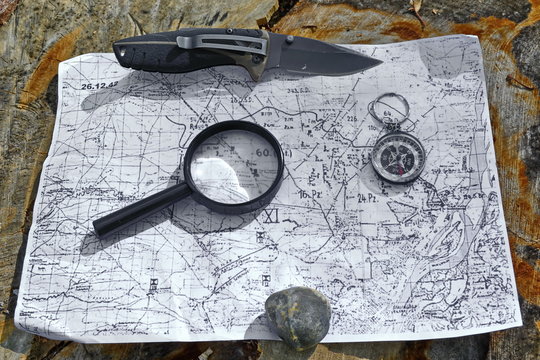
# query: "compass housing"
(398, 157)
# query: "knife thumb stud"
(289, 39)
(256, 59)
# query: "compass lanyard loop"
(397, 157)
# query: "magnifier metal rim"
(238, 208)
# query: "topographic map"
(425, 260)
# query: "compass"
(398, 157)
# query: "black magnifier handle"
(143, 208)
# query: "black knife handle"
(160, 52)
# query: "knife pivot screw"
(229, 31)
(289, 39)
(256, 59)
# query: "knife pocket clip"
(225, 42)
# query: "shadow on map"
(224, 81)
(195, 218)
(379, 187)
(154, 86)
(447, 65)
(186, 214)
(258, 329)
(91, 244)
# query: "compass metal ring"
(388, 104)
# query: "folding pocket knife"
(256, 50)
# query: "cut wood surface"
(36, 35)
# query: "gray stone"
(299, 315)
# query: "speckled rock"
(299, 315)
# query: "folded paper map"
(428, 259)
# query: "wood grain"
(36, 35)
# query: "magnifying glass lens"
(234, 166)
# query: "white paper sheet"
(427, 260)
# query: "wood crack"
(284, 7)
(55, 350)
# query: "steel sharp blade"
(313, 57)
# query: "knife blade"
(192, 49)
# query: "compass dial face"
(398, 157)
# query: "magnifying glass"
(232, 167)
